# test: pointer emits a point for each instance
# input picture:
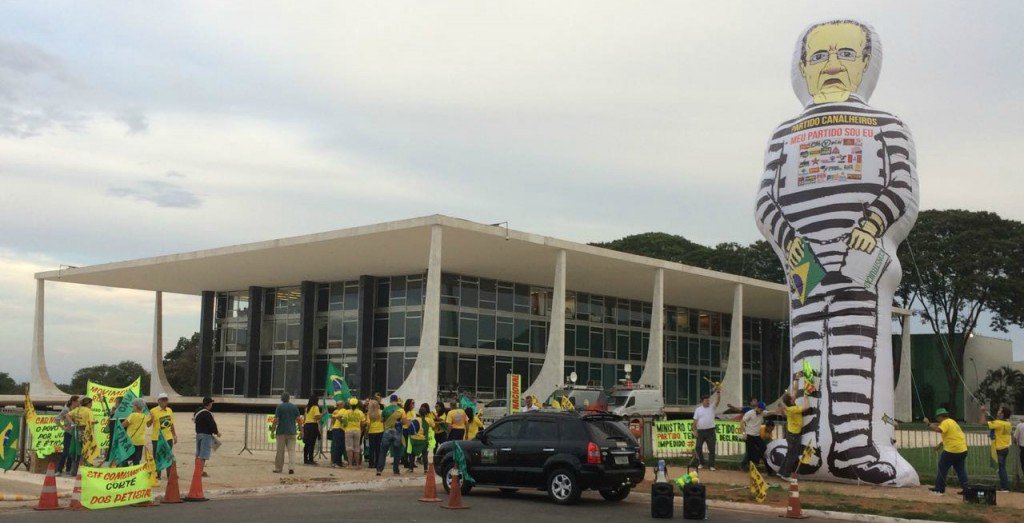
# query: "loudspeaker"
(695, 505)
(662, 496)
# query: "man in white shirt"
(1018, 436)
(704, 429)
(752, 420)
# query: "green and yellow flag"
(164, 453)
(9, 431)
(806, 274)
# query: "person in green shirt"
(393, 416)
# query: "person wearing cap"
(393, 416)
(753, 446)
(286, 417)
(162, 420)
(135, 427)
(337, 434)
(206, 429)
(353, 422)
(954, 451)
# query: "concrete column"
(421, 384)
(158, 379)
(307, 337)
(40, 384)
(551, 375)
(903, 395)
(732, 382)
(654, 374)
(252, 374)
(206, 317)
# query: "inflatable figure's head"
(835, 59)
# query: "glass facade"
(230, 343)
(488, 328)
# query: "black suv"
(562, 453)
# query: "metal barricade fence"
(918, 445)
(256, 436)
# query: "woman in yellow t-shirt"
(135, 426)
(418, 445)
(375, 430)
(311, 429)
(1001, 430)
(456, 419)
(473, 423)
(954, 451)
(353, 423)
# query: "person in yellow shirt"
(419, 428)
(1001, 430)
(954, 451)
(374, 431)
(456, 420)
(135, 427)
(81, 419)
(794, 429)
(311, 429)
(473, 423)
(338, 434)
(353, 422)
(162, 420)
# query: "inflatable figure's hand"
(862, 239)
(795, 250)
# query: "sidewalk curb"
(300, 488)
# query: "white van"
(636, 402)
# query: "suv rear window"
(606, 429)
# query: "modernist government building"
(433, 305)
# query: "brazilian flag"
(335, 387)
(806, 274)
(9, 431)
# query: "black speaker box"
(695, 505)
(662, 496)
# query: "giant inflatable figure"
(838, 196)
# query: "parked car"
(562, 453)
(584, 397)
(495, 409)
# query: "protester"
(704, 429)
(67, 424)
(1001, 430)
(337, 435)
(767, 435)
(439, 425)
(473, 423)
(112, 419)
(794, 429)
(408, 429)
(82, 418)
(954, 451)
(1018, 434)
(353, 423)
(311, 429)
(162, 420)
(206, 429)
(456, 420)
(374, 431)
(418, 439)
(751, 422)
(391, 440)
(135, 427)
(286, 417)
(531, 404)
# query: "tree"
(9, 386)
(181, 366)
(1000, 387)
(120, 375)
(958, 265)
(756, 260)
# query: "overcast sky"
(131, 130)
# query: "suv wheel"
(447, 480)
(615, 494)
(563, 487)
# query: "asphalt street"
(395, 505)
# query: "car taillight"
(593, 454)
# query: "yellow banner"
(47, 436)
(758, 486)
(514, 383)
(103, 398)
(115, 487)
(678, 434)
(272, 437)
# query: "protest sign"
(115, 487)
(678, 434)
(103, 399)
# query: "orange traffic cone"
(76, 495)
(455, 495)
(793, 511)
(48, 497)
(430, 487)
(172, 494)
(195, 490)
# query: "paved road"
(398, 505)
